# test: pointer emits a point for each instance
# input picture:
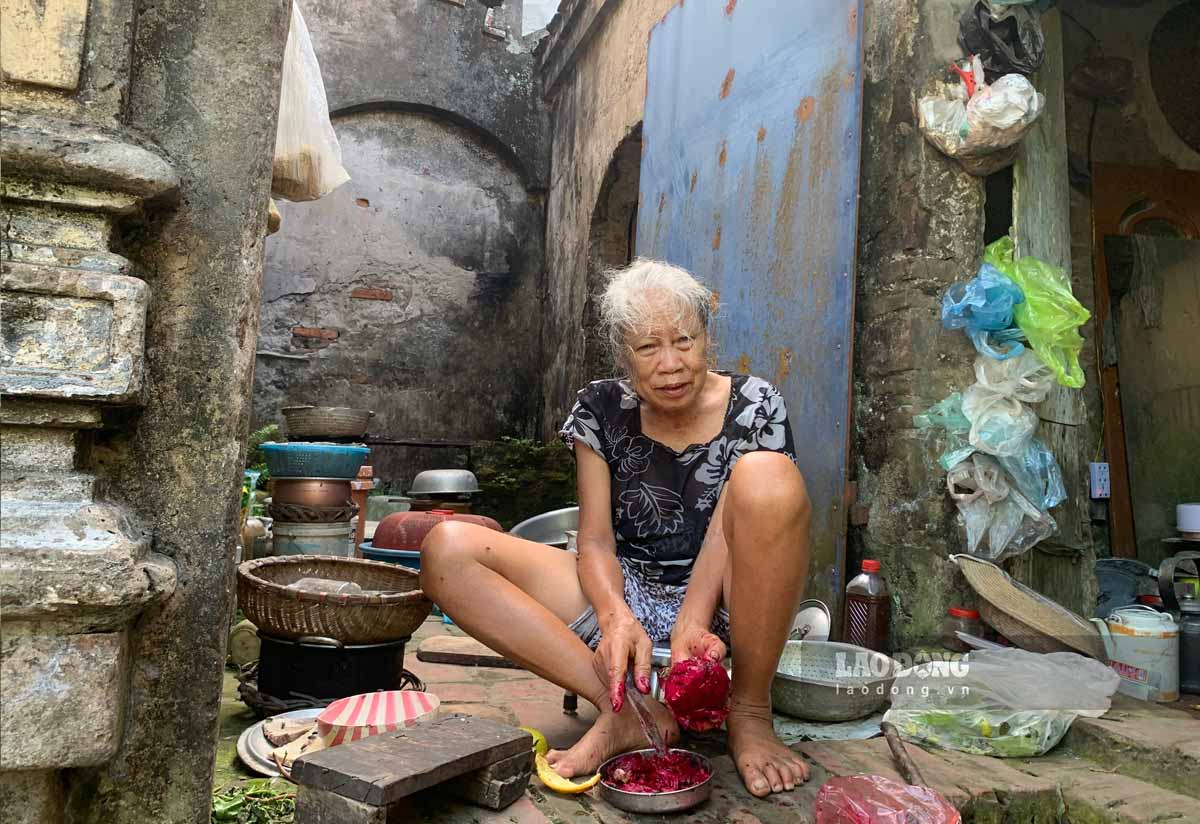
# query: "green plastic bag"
(1050, 316)
(947, 416)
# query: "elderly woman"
(693, 532)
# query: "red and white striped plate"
(355, 717)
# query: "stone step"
(1057, 787)
(1142, 740)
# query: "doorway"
(1147, 249)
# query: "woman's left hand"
(693, 640)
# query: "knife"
(649, 728)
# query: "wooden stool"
(363, 782)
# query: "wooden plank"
(325, 807)
(494, 787)
(1042, 229)
(453, 649)
(384, 768)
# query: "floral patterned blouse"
(663, 500)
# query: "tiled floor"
(1134, 744)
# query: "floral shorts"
(654, 605)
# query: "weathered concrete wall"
(205, 88)
(920, 229)
(410, 288)
(593, 67)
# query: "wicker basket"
(392, 607)
(326, 421)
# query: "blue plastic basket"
(410, 558)
(314, 460)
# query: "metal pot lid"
(812, 622)
(444, 481)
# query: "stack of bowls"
(311, 496)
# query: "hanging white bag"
(308, 158)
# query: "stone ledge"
(41, 146)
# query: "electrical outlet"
(1100, 487)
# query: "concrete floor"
(1137, 764)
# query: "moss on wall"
(521, 477)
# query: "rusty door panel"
(749, 178)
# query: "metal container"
(319, 492)
(829, 681)
(325, 668)
(550, 527)
(444, 482)
(326, 421)
(1189, 646)
(657, 803)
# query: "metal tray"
(254, 749)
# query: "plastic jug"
(868, 614)
(1143, 648)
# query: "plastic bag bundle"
(1008, 703)
(1050, 316)
(1008, 39)
(977, 129)
(308, 157)
(875, 799)
(1023, 378)
(991, 506)
(1000, 425)
(983, 308)
(946, 416)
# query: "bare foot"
(612, 734)
(765, 764)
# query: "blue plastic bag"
(1036, 474)
(946, 415)
(983, 308)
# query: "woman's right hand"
(624, 640)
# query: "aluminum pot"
(311, 491)
(831, 681)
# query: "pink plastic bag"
(873, 799)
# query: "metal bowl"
(655, 803)
(550, 527)
(828, 681)
(444, 482)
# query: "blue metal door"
(750, 180)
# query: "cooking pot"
(444, 482)
(311, 491)
(324, 668)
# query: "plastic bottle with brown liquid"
(868, 612)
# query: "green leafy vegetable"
(257, 801)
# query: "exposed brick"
(367, 293)
(314, 332)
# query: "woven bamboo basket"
(391, 607)
(326, 421)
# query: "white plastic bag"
(1001, 423)
(308, 158)
(991, 506)
(978, 131)
(1009, 703)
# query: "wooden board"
(384, 768)
(1042, 229)
(467, 652)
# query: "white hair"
(625, 310)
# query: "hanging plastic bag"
(1000, 425)
(980, 125)
(1023, 378)
(875, 799)
(1036, 474)
(1008, 40)
(983, 308)
(991, 506)
(308, 158)
(1050, 316)
(1008, 703)
(946, 415)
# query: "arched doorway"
(610, 244)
